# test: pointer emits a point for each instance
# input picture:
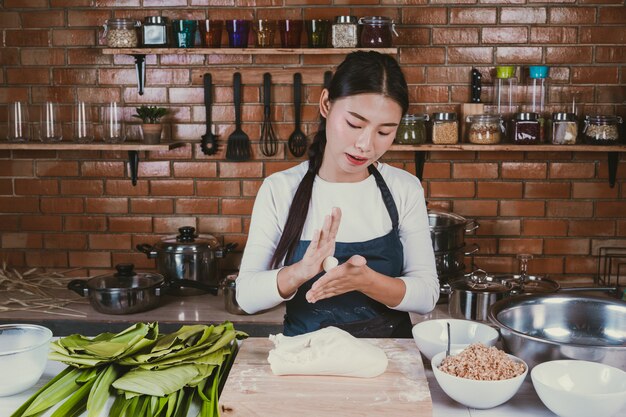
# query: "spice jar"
(154, 31)
(601, 130)
(344, 32)
(412, 129)
(526, 129)
(445, 128)
(485, 129)
(376, 31)
(121, 33)
(564, 129)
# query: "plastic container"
(537, 91)
(506, 93)
(344, 32)
(412, 129)
(564, 129)
(445, 128)
(526, 129)
(602, 130)
(485, 129)
(154, 31)
(121, 33)
(377, 32)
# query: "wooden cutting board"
(252, 390)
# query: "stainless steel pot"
(539, 328)
(230, 296)
(532, 284)
(190, 259)
(453, 261)
(123, 292)
(447, 230)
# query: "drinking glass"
(50, 126)
(238, 30)
(264, 30)
(19, 128)
(113, 124)
(290, 31)
(82, 122)
(317, 31)
(211, 32)
(184, 33)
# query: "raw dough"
(328, 351)
(329, 263)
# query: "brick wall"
(79, 209)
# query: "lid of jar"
(155, 20)
(375, 20)
(505, 71)
(414, 118)
(345, 19)
(526, 116)
(538, 71)
(484, 117)
(565, 117)
(603, 119)
(121, 21)
(443, 116)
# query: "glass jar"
(445, 128)
(121, 33)
(376, 32)
(602, 130)
(412, 129)
(344, 32)
(485, 129)
(154, 31)
(526, 129)
(564, 129)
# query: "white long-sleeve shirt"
(364, 217)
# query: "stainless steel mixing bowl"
(539, 328)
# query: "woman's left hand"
(340, 280)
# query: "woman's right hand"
(322, 245)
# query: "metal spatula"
(238, 145)
(297, 141)
(209, 140)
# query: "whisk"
(269, 142)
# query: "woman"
(343, 202)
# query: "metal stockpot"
(230, 296)
(189, 259)
(123, 292)
(452, 261)
(447, 230)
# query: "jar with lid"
(526, 129)
(602, 130)
(376, 32)
(445, 128)
(564, 129)
(412, 129)
(485, 129)
(154, 31)
(344, 32)
(121, 33)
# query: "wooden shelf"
(241, 51)
(508, 147)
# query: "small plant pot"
(151, 133)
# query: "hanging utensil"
(238, 145)
(209, 140)
(269, 143)
(297, 141)
(448, 346)
(328, 75)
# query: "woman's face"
(359, 130)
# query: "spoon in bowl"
(448, 348)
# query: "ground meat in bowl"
(482, 363)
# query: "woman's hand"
(346, 277)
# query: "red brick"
(47, 258)
(429, 94)
(495, 264)
(553, 35)
(476, 207)
(566, 246)
(598, 34)
(21, 240)
(504, 34)
(41, 223)
(61, 205)
(27, 37)
(612, 15)
(152, 205)
(492, 189)
(126, 188)
(568, 54)
(82, 56)
(81, 187)
(102, 169)
(424, 16)
(171, 225)
(220, 224)
(514, 208)
(518, 54)
(621, 228)
(472, 16)
(610, 54)
(580, 265)
(43, 20)
(611, 94)
(109, 241)
(25, 3)
(195, 169)
(592, 228)
(452, 189)
(594, 190)
(240, 169)
(28, 75)
(106, 205)
(197, 206)
(423, 56)
(560, 209)
(73, 76)
(218, 188)
(498, 228)
(551, 227)
(87, 17)
(572, 16)
(610, 209)
(89, 259)
(9, 20)
(434, 170)
(74, 37)
(65, 241)
(412, 36)
(515, 246)
(455, 36)
(520, 15)
(470, 55)
(56, 168)
(571, 170)
(134, 224)
(171, 187)
(250, 188)
(551, 265)
(447, 75)
(237, 206)
(524, 170)
(547, 190)
(85, 223)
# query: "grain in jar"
(344, 32)
(485, 129)
(121, 33)
(602, 130)
(445, 129)
(564, 129)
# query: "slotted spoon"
(209, 140)
(297, 141)
(269, 143)
(238, 145)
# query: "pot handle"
(474, 248)
(79, 286)
(220, 253)
(471, 225)
(147, 249)
(612, 291)
(178, 283)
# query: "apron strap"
(387, 197)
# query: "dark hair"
(360, 72)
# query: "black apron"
(354, 312)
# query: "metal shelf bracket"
(133, 160)
(140, 70)
(420, 159)
(613, 163)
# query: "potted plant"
(151, 127)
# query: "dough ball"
(329, 263)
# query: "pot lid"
(442, 219)
(479, 281)
(125, 278)
(532, 284)
(187, 241)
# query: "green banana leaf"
(159, 383)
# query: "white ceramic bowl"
(473, 393)
(431, 336)
(572, 388)
(23, 356)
